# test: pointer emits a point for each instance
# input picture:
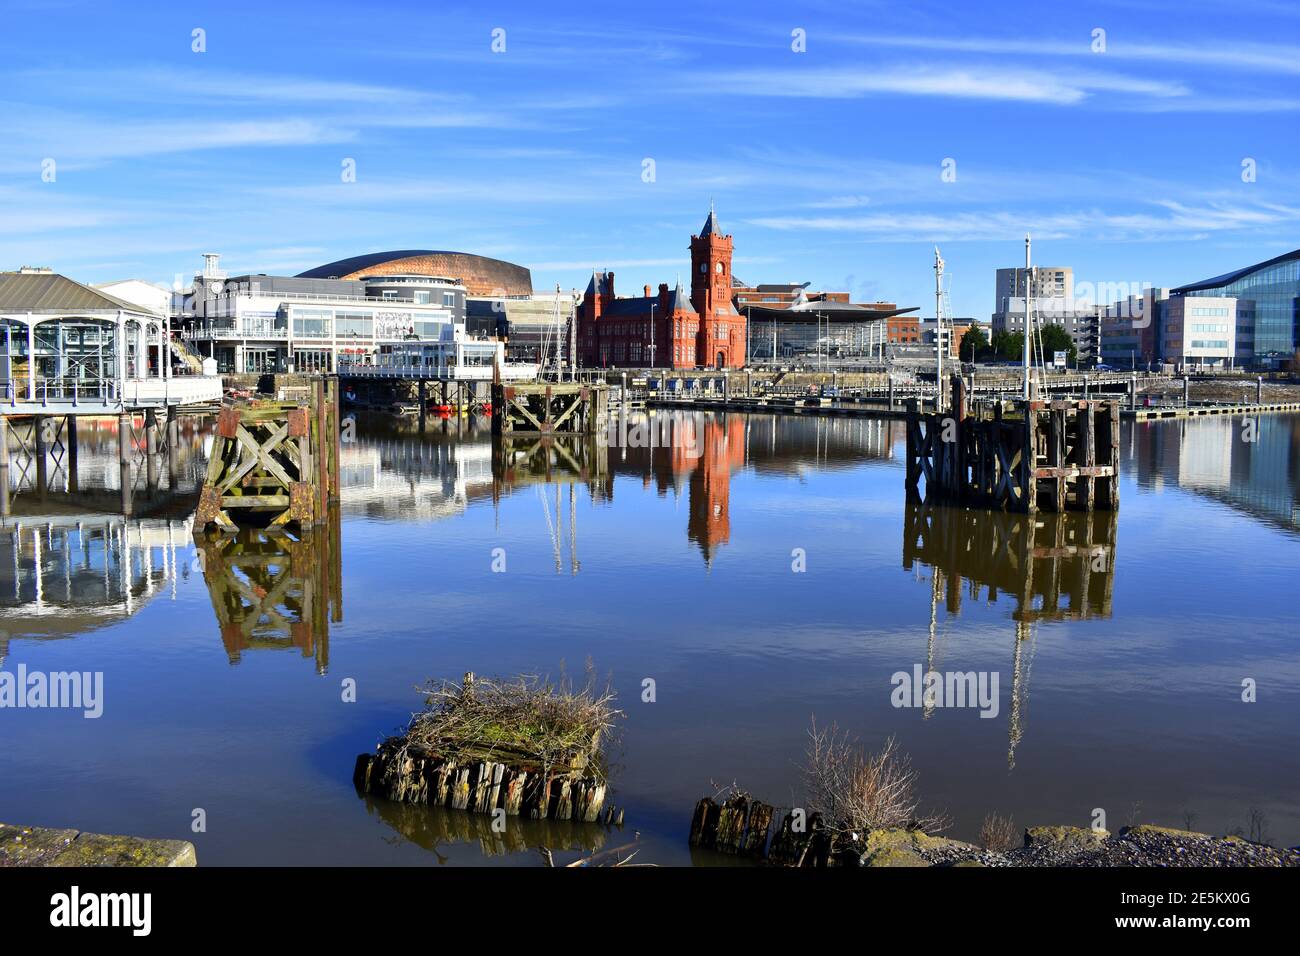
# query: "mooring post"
(424, 401)
(1187, 391)
(891, 390)
(4, 466)
(1133, 390)
(38, 442)
(1259, 390)
(124, 426)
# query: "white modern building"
(1200, 331)
(262, 323)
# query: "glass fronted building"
(1268, 297)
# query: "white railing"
(91, 395)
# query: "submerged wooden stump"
(482, 782)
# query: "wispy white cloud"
(1210, 52)
(1178, 221)
(975, 82)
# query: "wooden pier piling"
(274, 463)
(549, 407)
(1051, 455)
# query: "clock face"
(719, 267)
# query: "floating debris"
(526, 747)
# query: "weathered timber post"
(891, 391)
(1133, 390)
(1187, 391)
(38, 442)
(1259, 390)
(4, 467)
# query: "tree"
(1056, 339)
(974, 343)
(1008, 346)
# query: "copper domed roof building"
(480, 275)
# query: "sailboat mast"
(1029, 310)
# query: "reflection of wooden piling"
(433, 827)
(125, 427)
(1055, 566)
(274, 463)
(1057, 456)
(272, 589)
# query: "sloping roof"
(711, 224)
(50, 292)
(481, 275)
(599, 284)
(1230, 277)
(679, 301)
(630, 307)
(815, 311)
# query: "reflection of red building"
(722, 449)
(667, 330)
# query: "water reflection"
(64, 576)
(70, 560)
(1249, 464)
(441, 829)
(275, 589)
(1054, 566)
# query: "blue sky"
(825, 164)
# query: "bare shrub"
(999, 834)
(855, 791)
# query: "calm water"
(1120, 646)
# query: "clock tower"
(720, 342)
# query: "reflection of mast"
(936, 586)
(573, 530)
(1018, 691)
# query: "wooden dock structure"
(549, 408)
(274, 463)
(1050, 455)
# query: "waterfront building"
(1267, 307)
(1199, 331)
(819, 330)
(535, 328)
(1130, 330)
(667, 329)
(63, 343)
(1081, 320)
(480, 275)
(1050, 282)
(953, 330)
(261, 323)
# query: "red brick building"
(667, 330)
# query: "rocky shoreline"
(1146, 845)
